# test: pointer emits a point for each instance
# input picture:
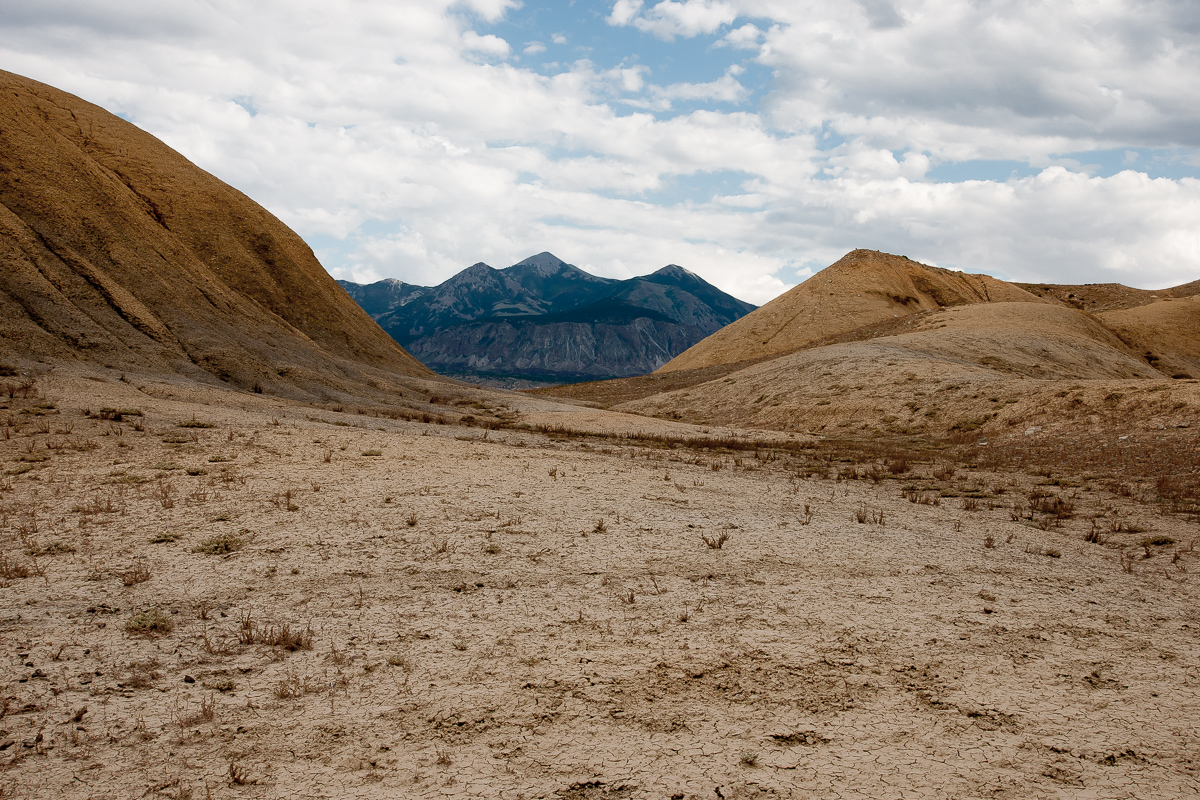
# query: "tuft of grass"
(138, 573)
(219, 545)
(715, 542)
(154, 622)
(11, 569)
(282, 636)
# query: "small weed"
(715, 542)
(219, 545)
(866, 516)
(138, 573)
(150, 623)
(11, 569)
(239, 776)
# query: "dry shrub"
(282, 636)
(12, 569)
(221, 544)
(153, 622)
(138, 573)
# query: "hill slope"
(864, 288)
(545, 320)
(964, 367)
(118, 251)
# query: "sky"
(753, 142)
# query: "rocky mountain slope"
(545, 320)
(118, 252)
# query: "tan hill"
(864, 288)
(1099, 297)
(1166, 333)
(117, 251)
(980, 367)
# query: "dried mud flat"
(204, 595)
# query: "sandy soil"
(508, 614)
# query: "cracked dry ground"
(518, 616)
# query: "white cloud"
(489, 44)
(396, 134)
(533, 48)
(624, 12)
(746, 37)
(670, 18)
(491, 10)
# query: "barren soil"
(508, 613)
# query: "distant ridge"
(118, 252)
(544, 320)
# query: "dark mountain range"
(546, 321)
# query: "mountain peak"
(676, 271)
(544, 263)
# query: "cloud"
(490, 10)
(746, 37)
(624, 12)
(400, 138)
(983, 80)
(534, 48)
(669, 18)
(490, 44)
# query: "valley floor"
(248, 598)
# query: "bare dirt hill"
(970, 369)
(1166, 333)
(1099, 297)
(865, 287)
(117, 251)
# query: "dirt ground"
(219, 595)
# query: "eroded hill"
(864, 288)
(117, 251)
